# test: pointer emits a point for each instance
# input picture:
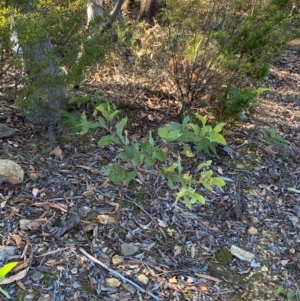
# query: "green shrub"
(216, 48)
(139, 155)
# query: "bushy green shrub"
(218, 47)
(135, 157)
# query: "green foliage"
(204, 137)
(236, 100)
(140, 155)
(3, 272)
(291, 295)
(77, 49)
(274, 139)
(205, 46)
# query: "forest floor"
(170, 252)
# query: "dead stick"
(117, 274)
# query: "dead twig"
(118, 275)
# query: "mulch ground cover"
(61, 220)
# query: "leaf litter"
(56, 218)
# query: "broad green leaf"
(167, 136)
(162, 132)
(107, 140)
(112, 115)
(7, 268)
(150, 161)
(204, 164)
(101, 122)
(79, 100)
(198, 197)
(115, 173)
(187, 179)
(150, 139)
(207, 174)
(187, 151)
(207, 186)
(219, 182)
(159, 155)
(103, 111)
(185, 121)
(218, 138)
(218, 128)
(188, 136)
(180, 168)
(188, 202)
(120, 127)
(96, 95)
(174, 126)
(201, 118)
(195, 128)
(130, 175)
(181, 193)
(170, 169)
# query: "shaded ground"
(179, 253)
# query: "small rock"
(11, 172)
(36, 276)
(6, 251)
(252, 231)
(241, 254)
(128, 249)
(129, 288)
(44, 297)
(29, 297)
(264, 269)
(6, 131)
(292, 251)
(243, 117)
(143, 279)
(254, 220)
(112, 282)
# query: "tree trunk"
(45, 92)
(150, 9)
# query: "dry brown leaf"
(27, 224)
(11, 215)
(61, 207)
(33, 174)
(21, 285)
(208, 277)
(15, 277)
(86, 168)
(57, 152)
(177, 250)
(193, 251)
(161, 223)
(17, 238)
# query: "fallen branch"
(118, 275)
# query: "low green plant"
(236, 100)
(139, 155)
(291, 295)
(274, 139)
(3, 272)
(203, 137)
